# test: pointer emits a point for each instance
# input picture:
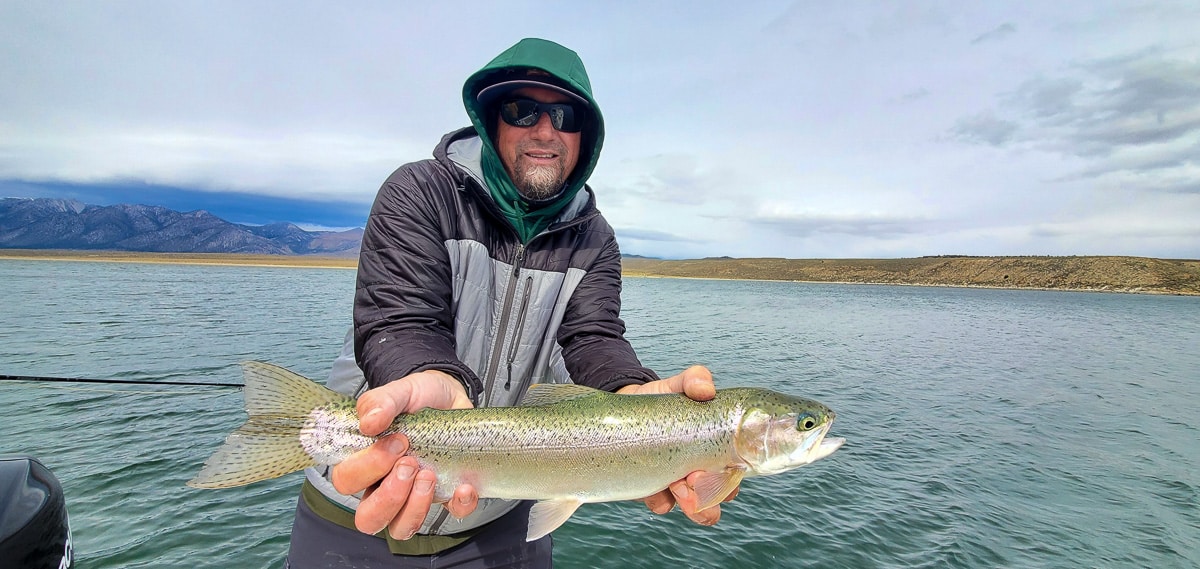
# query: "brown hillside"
(1117, 274)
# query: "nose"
(543, 128)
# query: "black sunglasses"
(524, 113)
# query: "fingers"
(685, 496)
(378, 407)
(683, 493)
(416, 508)
(680, 492)
(402, 499)
(695, 382)
(382, 504)
(463, 502)
(397, 493)
(661, 502)
(366, 467)
(399, 503)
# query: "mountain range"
(46, 223)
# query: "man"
(483, 271)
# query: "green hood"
(528, 217)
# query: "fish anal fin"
(547, 515)
(549, 393)
(712, 487)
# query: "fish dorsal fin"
(547, 515)
(713, 487)
(549, 393)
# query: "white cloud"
(772, 129)
(329, 166)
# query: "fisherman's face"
(538, 158)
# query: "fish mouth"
(827, 447)
(817, 446)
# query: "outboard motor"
(34, 533)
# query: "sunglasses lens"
(519, 112)
(563, 118)
(525, 113)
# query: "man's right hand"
(397, 494)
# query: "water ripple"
(985, 428)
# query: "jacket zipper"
(493, 368)
(512, 349)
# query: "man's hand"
(697, 384)
(397, 493)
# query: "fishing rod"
(124, 381)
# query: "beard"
(539, 182)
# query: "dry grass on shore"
(1112, 274)
(1095, 273)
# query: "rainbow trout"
(565, 445)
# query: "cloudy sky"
(748, 129)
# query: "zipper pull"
(519, 258)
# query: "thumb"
(378, 407)
(695, 382)
(698, 383)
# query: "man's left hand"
(696, 383)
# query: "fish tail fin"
(267, 445)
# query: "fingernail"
(423, 486)
(404, 537)
(405, 472)
(396, 446)
(683, 491)
(381, 528)
(464, 500)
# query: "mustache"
(553, 146)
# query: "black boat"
(34, 531)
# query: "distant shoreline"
(1089, 273)
(1092, 273)
(222, 259)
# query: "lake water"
(986, 428)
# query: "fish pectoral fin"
(712, 487)
(547, 515)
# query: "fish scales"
(620, 444)
(564, 446)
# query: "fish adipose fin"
(268, 444)
(547, 515)
(549, 393)
(712, 487)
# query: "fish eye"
(806, 422)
